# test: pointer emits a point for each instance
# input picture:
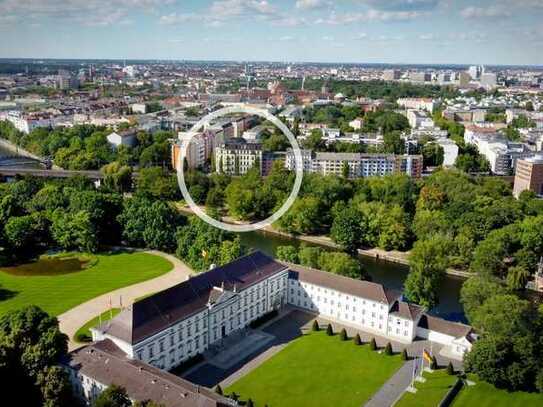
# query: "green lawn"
(83, 334)
(317, 370)
(429, 393)
(59, 292)
(486, 395)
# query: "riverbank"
(392, 256)
(21, 152)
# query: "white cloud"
(328, 38)
(473, 36)
(427, 37)
(361, 36)
(286, 38)
(85, 12)
(174, 18)
(402, 5)
(310, 4)
(369, 16)
(495, 11)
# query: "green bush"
(218, 389)
(373, 344)
(315, 327)
(450, 369)
(343, 335)
(388, 349)
(433, 365)
(404, 355)
(357, 340)
(329, 330)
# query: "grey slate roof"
(443, 326)
(406, 310)
(365, 289)
(107, 364)
(163, 309)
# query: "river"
(391, 275)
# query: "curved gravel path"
(75, 318)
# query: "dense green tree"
(428, 261)
(202, 245)
(433, 155)
(476, 290)
(287, 253)
(74, 231)
(304, 217)
(31, 346)
(309, 256)
(155, 182)
(517, 277)
(118, 177)
(348, 229)
(148, 223)
(340, 263)
(113, 396)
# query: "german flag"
(427, 355)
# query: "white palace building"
(161, 331)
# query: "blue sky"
(393, 31)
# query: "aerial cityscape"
(281, 203)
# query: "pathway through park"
(391, 391)
(72, 320)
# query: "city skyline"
(363, 31)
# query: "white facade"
(417, 104)
(26, 124)
(419, 119)
(237, 158)
(117, 139)
(139, 108)
(360, 165)
(450, 150)
(197, 332)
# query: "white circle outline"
(187, 137)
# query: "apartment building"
(419, 119)
(27, 122)
(529, 175)
(427, 104)
(197, 152)
(360, 165)
(237, 156)
(500, 153)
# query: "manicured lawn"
(83, 334)
(318, 370)
(429, 393)
(57, 292)
(486, 395)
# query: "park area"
(58, 283)
(430, 392)
(482, 394)
(318, 370)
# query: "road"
(75, 318)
